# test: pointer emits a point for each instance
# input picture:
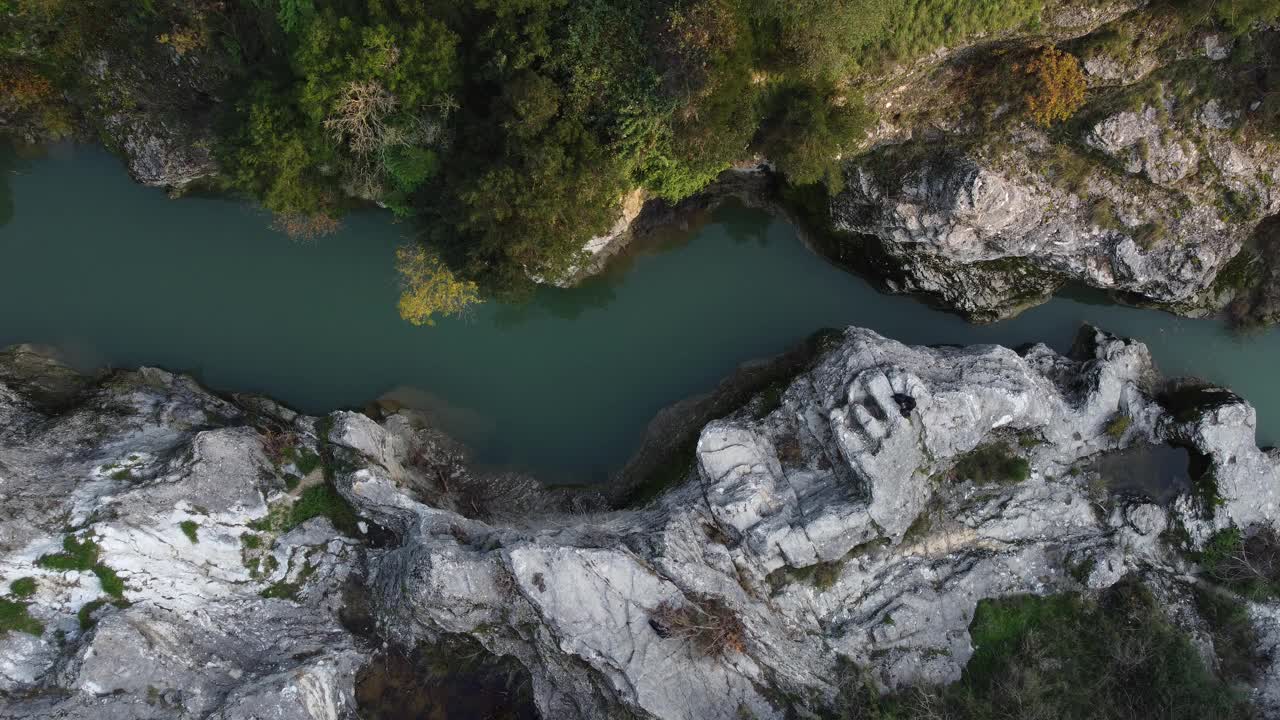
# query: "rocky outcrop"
(158, 115)
(1148, 192)
(157, 485)
(837, 523)
(989, 233)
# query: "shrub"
(709, 625)
(992, 463)
(191, 530)
(1070, 657)
(1058, 86)
(1249, 565)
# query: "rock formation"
(856, 520)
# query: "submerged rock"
(856, 520)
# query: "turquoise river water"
(117, 274)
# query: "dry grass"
(709, 625)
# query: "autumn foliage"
(429, 288)
(1057, 88)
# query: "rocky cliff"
(1149, 191)
(172, 553)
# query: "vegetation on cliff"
(508, 130)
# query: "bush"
(1069, 657)
(1235, 640)
(812, 129)
(191, 530)
(1058, 86)
(1249, 565)
(709, 625)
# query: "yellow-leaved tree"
(428, 288)
(1059, 86)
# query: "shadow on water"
(456, 680)
(1157, 472)
(8, 167)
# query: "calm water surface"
(118, 274)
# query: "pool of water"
(118, 274)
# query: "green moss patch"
(111, 582)
(15, 617)
(82, 556)
(75, 555)
(191, 530)
(85, 616)
(323, 501)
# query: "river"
(119, 275)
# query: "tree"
(1058, 86)
(429, 288)
(811, 130)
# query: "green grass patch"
(14, 616)
(82, 556)
(1118, 426)
(323, 501)
(75, 555)
(191, 530)
(111, 582)
(23, 587)
(85, 616)
(1067, 656)
(1235, 640)
(251, 541)
(289, 590)
(992, 463)
(302, 458)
